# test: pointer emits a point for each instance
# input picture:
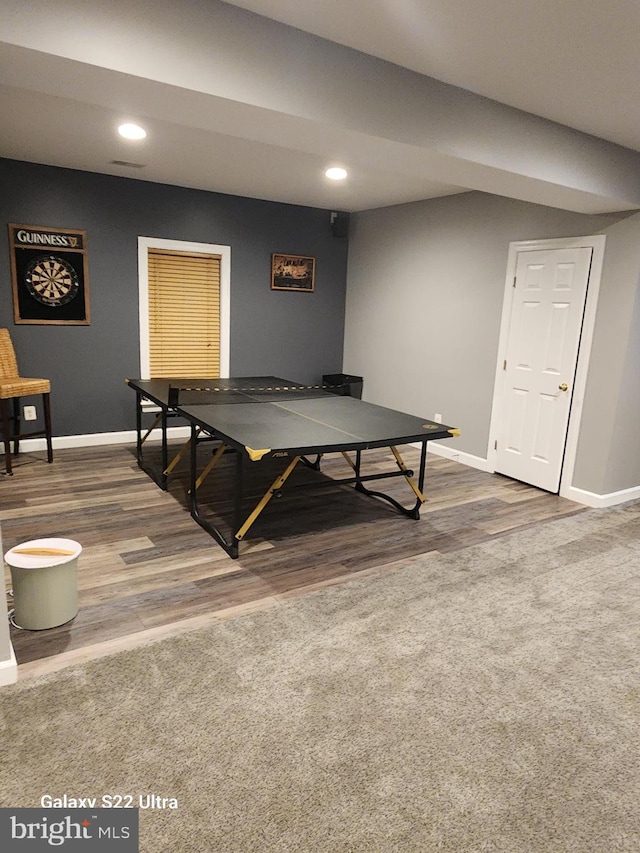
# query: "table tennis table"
(262, 418)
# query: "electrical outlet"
(29, 413)
(437, 418)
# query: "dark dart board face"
(51, 280)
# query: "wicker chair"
(12, 387)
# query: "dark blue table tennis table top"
(269, 415)
(263, 417)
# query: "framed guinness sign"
(49, 275)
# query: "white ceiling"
(570, 61)
(576, 62)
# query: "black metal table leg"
(165, 458)
(139, 428)
(231, 547)
(423, 466)
(158, 477)
(237, 501)
(411, 512)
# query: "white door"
(540, 364)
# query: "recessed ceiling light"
(132, 131)
(336, 173)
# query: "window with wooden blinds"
(184, 314)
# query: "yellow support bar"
(454, 432)
(409, 479)
(277, 484)
(213, 461)
(155, 423)
(179, 454)
(349, 459)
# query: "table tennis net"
(224, 392)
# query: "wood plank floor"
(147, 570)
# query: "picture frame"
(49, 275)
(293, 272)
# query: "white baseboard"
(450, 452)
(9, 669)
(95, 439)
(572, 493)
(581, 496)
(591, 499)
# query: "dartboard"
(51, 280)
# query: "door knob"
(563, 387)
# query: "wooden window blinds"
(184, 314)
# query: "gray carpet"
(487, 700)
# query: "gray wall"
(623, 470)
(609, 446)
(424, 301)
(295, 335)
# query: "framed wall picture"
(292, 272)
(49, 275)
